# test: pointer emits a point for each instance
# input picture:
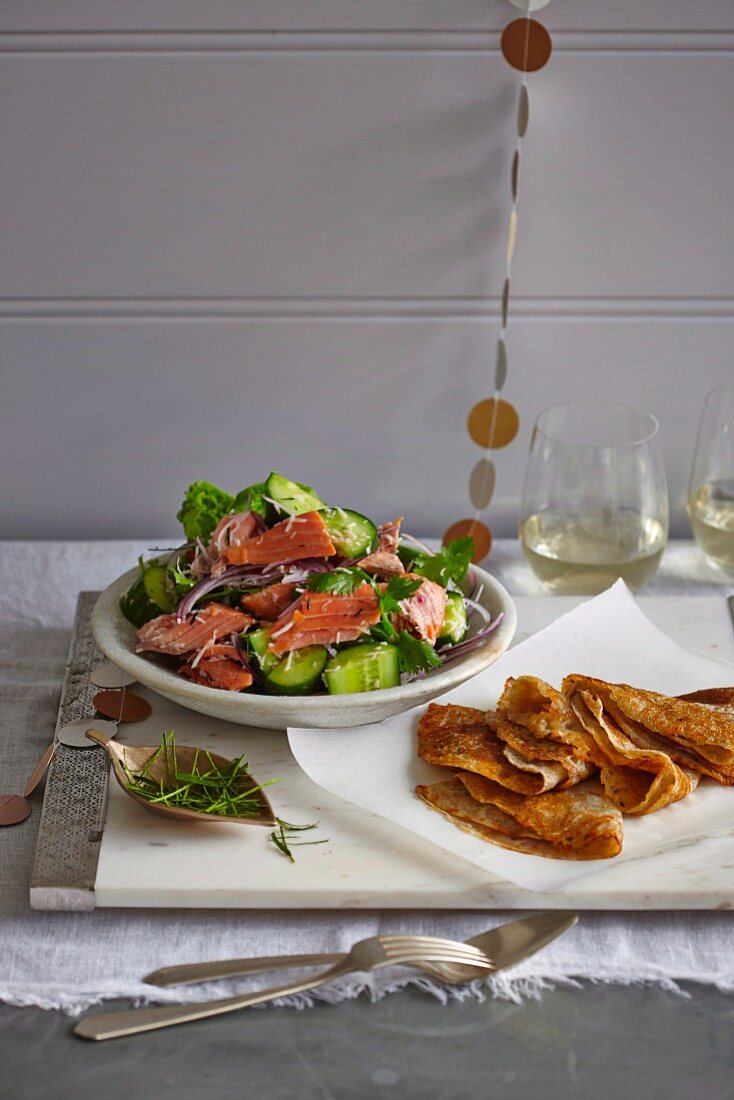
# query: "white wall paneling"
(223, 220)
(104, 423)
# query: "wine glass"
(711, 484)
(595, 500)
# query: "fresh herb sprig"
(342, 581)
(284, 842)
(214, 790)
(413, 655)
(448, 565)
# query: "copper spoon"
(16, 807)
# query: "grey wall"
(225, 249)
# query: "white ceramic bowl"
(115, 636)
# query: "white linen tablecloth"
(73, 960)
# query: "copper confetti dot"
(481, 483)
(13, 808)
(500, 366)
(526, 45)
(523, 111)
(515, 174)
(493, 427)
(476, 530)
(123, 706)
(505, 302)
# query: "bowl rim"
(108, 622)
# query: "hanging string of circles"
(493, 422)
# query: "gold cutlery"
(506, 945)
(366, 956)
(509, 944)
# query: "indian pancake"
(576, 824)
(698, 736)
(464, 737)
(638, 779)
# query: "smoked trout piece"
(220, 667)
(323, 618)
(576, 824)
(270, 602)
(292, 539)
(384, 560)
(206, 626)
(422, 613)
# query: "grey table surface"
(588, 1041)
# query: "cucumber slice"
(455, 624)
(257, 644)
(155, 583)
(299, 673)
(291, 496)
(408, 556)
(353, 535)
(149, 597)
(365, 667)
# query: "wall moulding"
(325, 40)
(326, 308)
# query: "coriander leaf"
(341, 582)
(384, 631)
(202, 508)
(458, 555)
(449, 564)
(397, 589)
(414, 655)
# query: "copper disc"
(490, 428)
(526, 45)
(13, 808)
(122, 706)
(476, 530)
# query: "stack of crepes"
(550, 773)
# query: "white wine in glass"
(595, 501)
(711, 484)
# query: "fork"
(365, 956)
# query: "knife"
(507, 945)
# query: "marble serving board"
(367, 862)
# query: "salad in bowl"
(276, 593)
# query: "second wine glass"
(595, 500)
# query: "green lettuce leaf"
(251, 499)
(202, 508)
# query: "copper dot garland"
(493, 422)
